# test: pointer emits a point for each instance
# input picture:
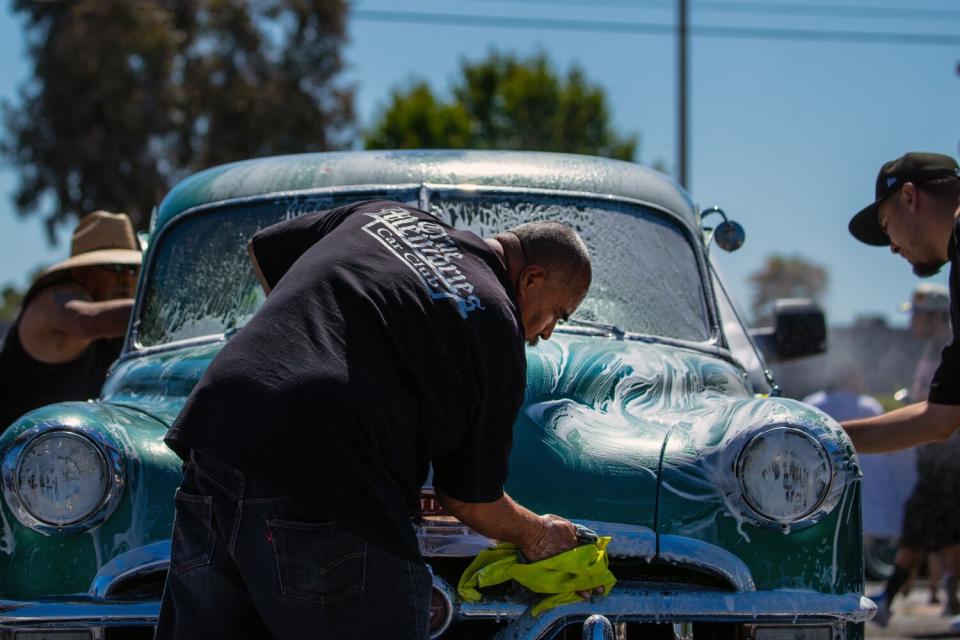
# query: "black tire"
(878, 556)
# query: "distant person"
(915, 211)
(68, 332)
(843, 399)
(931, 527)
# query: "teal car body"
(648, 417)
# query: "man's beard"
(927, 269)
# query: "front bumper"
(76, 618)
(104, 614)
(629, 602)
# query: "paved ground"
(913, 616)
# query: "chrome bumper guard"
(74, 614)
(628, 602)
(657, 604)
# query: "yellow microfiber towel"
(583, 568)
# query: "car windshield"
(646, 277)
(645, 274)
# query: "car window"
(646, 278)
(201, 281)
(738, 339)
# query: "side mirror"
(729, 235)
(799, 330)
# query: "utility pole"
(682, 92)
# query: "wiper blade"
(612, 329)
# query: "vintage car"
(649, 416)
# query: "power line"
(740, 7)
(652, 28)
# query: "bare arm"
(67, 309)
(256, 268)
(537, 536)
(908, 426)
(62, 321)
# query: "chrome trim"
(113, 466)
(830, 447)
(682, 631)
(446, 592)
(633, 602)
(142, 560)
(93, 633)
(449, 538)
(628, 602)
(706, 558)
(597, 627)
(837, 631)
(82, 613)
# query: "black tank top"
(27, 384)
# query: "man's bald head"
(558, 249)
(549, 266)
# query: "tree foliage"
(126, 98)
(10, 300)
(503, 102)
(786, 277)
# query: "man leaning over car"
(388, 341)
(916, 213)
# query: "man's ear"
(532, 276)
(909, 195)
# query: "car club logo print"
(427, 249)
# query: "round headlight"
(62, 478)
(785, 474)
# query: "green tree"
(10, 301)
(786, 277)
(126, 98)
(503, 102)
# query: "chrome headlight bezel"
(109, 456)
(830, 451)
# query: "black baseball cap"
(910, 167)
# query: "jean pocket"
(193, 536)
(318, 562)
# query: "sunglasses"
(120, 269)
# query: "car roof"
(513, 169)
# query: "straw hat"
(101, 238)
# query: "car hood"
(589, 440)
(159, 383)
(603, 422)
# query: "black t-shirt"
(945, 387)
(29, 384)
(389, 340)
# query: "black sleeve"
(278, 246)
(945, 387)
(476, 469)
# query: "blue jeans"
(249, 561)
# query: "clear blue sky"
(786, 136)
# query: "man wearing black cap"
(916, 214)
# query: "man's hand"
(556, 536)
(537, 536)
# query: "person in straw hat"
(69, 329)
